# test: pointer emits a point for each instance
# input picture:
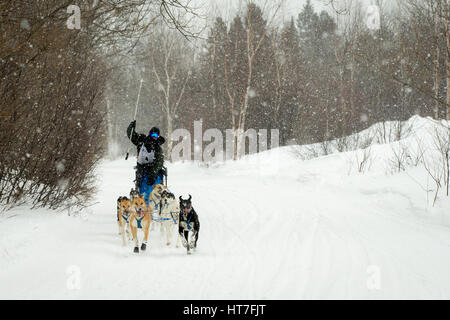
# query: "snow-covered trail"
(309, 231)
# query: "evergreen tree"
(213, 64)
(308, 25)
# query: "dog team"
(134, 214)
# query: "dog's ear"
(181, 199)
(190, 197)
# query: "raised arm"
(131, 133)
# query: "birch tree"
(171, 61)
(256, 32)
(446, 18)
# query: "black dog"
(188, 222)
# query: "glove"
(133, 124)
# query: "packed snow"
(276, 225)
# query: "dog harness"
(125, 218)
(160, 219)
(156, 203)
(174, 221)
(160, 210)
(156, 219)
(165, 219)
(188, 223)
(139, 222)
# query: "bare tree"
(52, 129)
(171, 62)
(256, 34)
(442, 144)
(447, 60)
(401, 157)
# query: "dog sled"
(143, 187)
(146, 190)
(153, 205)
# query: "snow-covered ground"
(273, 226)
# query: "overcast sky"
(290, 7)
(227, 9)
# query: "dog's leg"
(181, 235)
(196, 239)
(144, 243)
(117, 214)
(122, 232)
(127, 230)
(192, 238)
(164, 230)
(197, 231)
(135, 238)
(186, 237)
(167, 230)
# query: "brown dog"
(155, 196)
(123, 215)
(140, 217)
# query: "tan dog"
(123, 216)
(155, 196)
(140, 217)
